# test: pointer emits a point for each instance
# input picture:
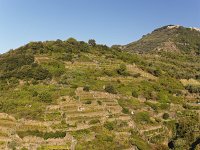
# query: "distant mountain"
(170, 38)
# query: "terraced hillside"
(66, 95)
(170, 38)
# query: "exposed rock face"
(173, 26)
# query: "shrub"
(163, 97)
(164, 106)
(88, 102)
(34, 82)
(152, 105)
(156, 72)
(165, 116)
(110, 125)
(94, 121)
(110, 89)
(86, 88)
(136, 75)
(135, 93)
(109, 72)
(45, 135)
(193, 88)
(12, 62)
(40, 73)
(125, 110)
(140, 143)
(45, 97)
(56, 134)
(67, 57)
(99, 102)
(12, 145)
(34, 93)
(122, 70)
(142, 117)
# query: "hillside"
(76, 95)
(171, 38)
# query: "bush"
(94, 121)
(163, 97)
(125, 110)
(45, 97)
(193, 88)
(86, 88)
(136, 75)
(12, 62)
(56, 134)
(45, 135)
(135, 94)
(67, 57)
(99, 102)
(140, 143)
(110, 125)
(109, 73)
(156, 72)
(122, 70)
(88, 102)
(164, 106)
(142, 117)
(165, 116)
(40, 73)
(34, 93)
(110, 89)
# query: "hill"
(76, 95)
(171, 38)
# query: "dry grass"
(189, 82)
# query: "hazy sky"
(107, 21)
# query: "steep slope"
(77, 95)
(171, 38)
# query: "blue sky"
(107, 21)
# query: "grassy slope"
(54, 104)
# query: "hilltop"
(82, 95)
(170, 38)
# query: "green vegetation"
(110, 125)
(122, 70)
(193, 89)
(45, 97)
(143, 118)
(187, 129)
(86, 88)
(92, 42)
(45, 135)
(57, 89)
(165, 116)
(139, 142)
(110, 89)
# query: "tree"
(72, 41)
(92, 42)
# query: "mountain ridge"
(174, 38)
